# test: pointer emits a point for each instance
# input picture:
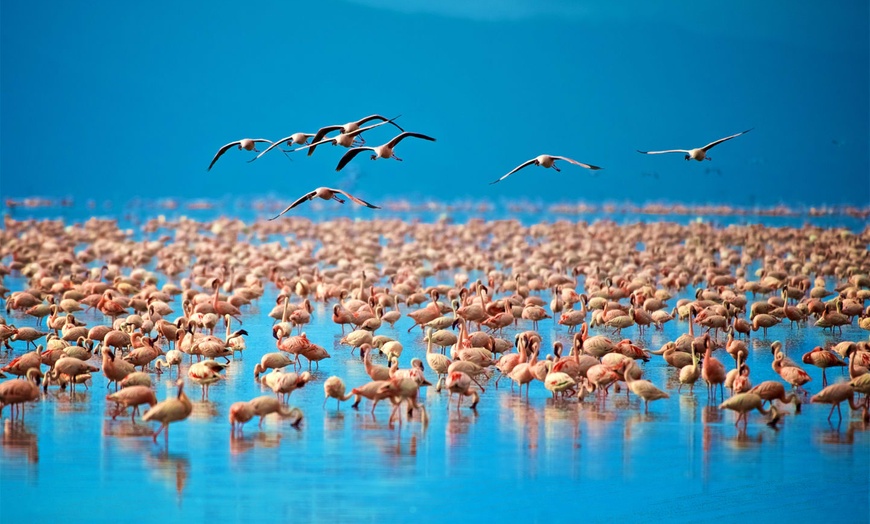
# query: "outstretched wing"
(661, 152)
(274, 145)
(398, 138)
(352, 152)
(379, 117)
(355, 199)
(514, 170)
(576, 163)
(303, 198)
(318, 136)
(221, 151)
(711, 144)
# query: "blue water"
(535, 460)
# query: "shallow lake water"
(513, 458)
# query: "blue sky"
(118, 99)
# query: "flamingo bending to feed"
(743, 403)
(326, 193)
(168, 411)
(334, 387)
(240, 414)
(267, 404)
(700, 153)
(460, 383)
(132, 396)
(381, 151)
(546, 161)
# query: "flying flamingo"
(700, 153)
(546, 161)
(381, 151)
(326, 193)
(248, 144)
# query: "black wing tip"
(644, 152)
(495, 182)
(595, 168)
(748, 130)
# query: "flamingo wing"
(514, 170)
(320, 134)
(711, 144)
(576, 163)
(303, 198)
(352, 152)
(379, 117)
(221, 151)
(355, 199)
(272, 146)
(666, 151)
(398, 138)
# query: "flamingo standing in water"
(835, 394)
(823, 358)
(240, 414)
(334, 387)
(168, 411)
(743, 403)
(19, 391)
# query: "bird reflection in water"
(241, 443)
(171, 468)
(125, 429)
(204, 410)
(333, 421)
(390, 438)
(457, 426)
(17, 439)
(836, 434)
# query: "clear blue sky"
(111, 99)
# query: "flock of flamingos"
(475, 294)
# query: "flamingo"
(168, 411)
(19, 391)
(823, 358)
(205, 374)
(266, 405)
(743, 403)
(700, 153)
(334, 387)
(240, 414)
(835, 394)
(546, 161)
(643, 388)
(132, 396)
(326, 193)
(460, 383)
(382, 151)
(248, 144)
